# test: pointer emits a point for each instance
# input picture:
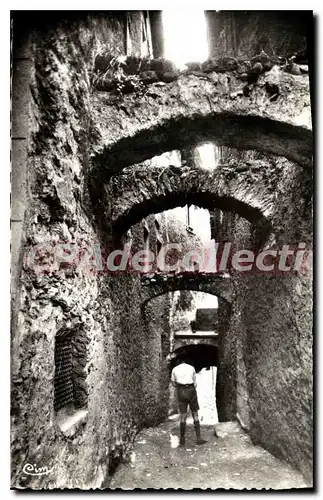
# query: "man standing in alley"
(184, 380)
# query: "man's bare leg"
(199, 440)
(182, 419)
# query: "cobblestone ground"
(229, 461)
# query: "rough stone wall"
(268, 342)
(286, 340)
(266, 349)
(156, 346)
(158, 326)
(55, 121)
(226, 373)
(282, 345)
(244, 34)
(231, 385)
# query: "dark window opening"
(70, 389)
(64, 390)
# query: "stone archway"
(217, 107)
(157, 285)
(243, 189)
(189, 341)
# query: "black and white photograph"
(161, 240)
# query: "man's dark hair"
(183, 358)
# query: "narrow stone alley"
(227, 461)
(162, 201)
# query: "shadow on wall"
(200, 356)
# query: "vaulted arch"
(196, 108)
(215, 284)
(245, 191)
(195, 340)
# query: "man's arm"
(173, 379)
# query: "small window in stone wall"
(70, 388)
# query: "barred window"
(70, 391)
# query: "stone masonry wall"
(247, 33)
(52, 132)
(270, 335)
(267, 344)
